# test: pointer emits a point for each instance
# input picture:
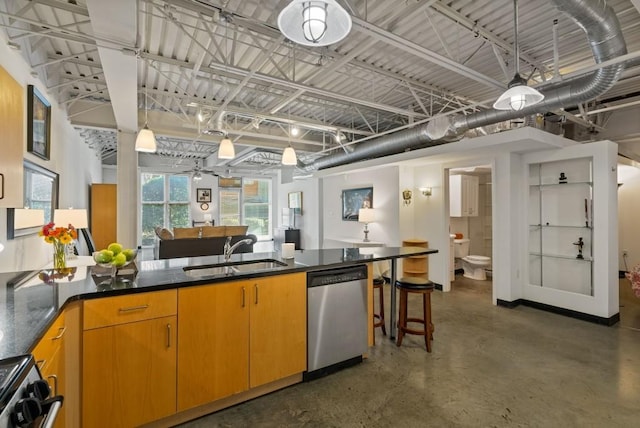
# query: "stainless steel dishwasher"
(337, 319)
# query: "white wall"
(628, 209)
(386, 196)
(77, 166)
(310, 220)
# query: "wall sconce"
(406, 196)
(426, 191)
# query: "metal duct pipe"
(605, 37)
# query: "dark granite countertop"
(30, 301)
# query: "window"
(249, 205)
(165, 203)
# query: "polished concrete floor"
(490, 367)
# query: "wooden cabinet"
(463, 195)
(416, 266)
(129, 359)
(213, 354)
(104, 214)
(239, 335)
(49, 354)
(12, 122)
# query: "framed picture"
(203, 195)
(295, 202)
(38, 124)
(353, 200)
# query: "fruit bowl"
(106, 258)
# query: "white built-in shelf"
(562, 256)
(561, 184)
(560, 225)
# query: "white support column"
(127, 194)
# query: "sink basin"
(231, 268)
(258, 265)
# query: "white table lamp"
(366, 216)
(74, 217)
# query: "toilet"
(473, 266)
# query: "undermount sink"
(231, 268)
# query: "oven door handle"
(52, 407)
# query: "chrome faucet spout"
(229, 249)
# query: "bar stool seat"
(378, 318)
(416, 285)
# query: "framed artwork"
(295, 202)
(203, 195)
(38, 124)
(353, 200)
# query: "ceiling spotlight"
(314, 23)
(200, 116)
(339, 137)
(197, 176)
(295, 131)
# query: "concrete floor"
(490, 367)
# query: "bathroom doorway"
(471, 228)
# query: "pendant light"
(314, 23)
(226, 149)
(146, 140)
(289, 155)
(519, 95)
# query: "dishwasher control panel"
(336, 276)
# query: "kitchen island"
(36, 302)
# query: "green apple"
(104, 256)
(129, 254)
(119, 260)
(115, 247)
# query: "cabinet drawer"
(124, 309)
(50, 342)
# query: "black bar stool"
(378, 318)
(422, 286)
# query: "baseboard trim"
(561, 311)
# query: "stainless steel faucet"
(229, 249)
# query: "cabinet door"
(12, 130)
(213, 353)
(278, 345)
(54, 373)
(470, 189)
(104, 213)
(129, 373)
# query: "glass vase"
(59, 256)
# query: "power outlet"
(625, 253)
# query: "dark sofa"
(169, 247)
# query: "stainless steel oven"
(25, 399)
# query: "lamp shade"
(518, 97)
(25, 218)
(146, 141)
(74, 217)
(289, 156)
(366, 215)
(226, 149)
(314, 23)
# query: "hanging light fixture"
(226, 149)
(146, 140)
(519, 95)
(289, 155)
(197, 176)
(314, 23)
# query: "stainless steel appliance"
(24, 395)
(337, 319)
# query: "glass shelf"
(560, 256)
(561, 184)
(560, 225)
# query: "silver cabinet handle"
(1, 186)
(41, 363)
(243, 296)
(168, 335)
(61, 331)
(255, 287)
(134, 308)
(55, 383)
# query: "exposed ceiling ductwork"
(607, 42)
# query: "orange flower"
(62, 235)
